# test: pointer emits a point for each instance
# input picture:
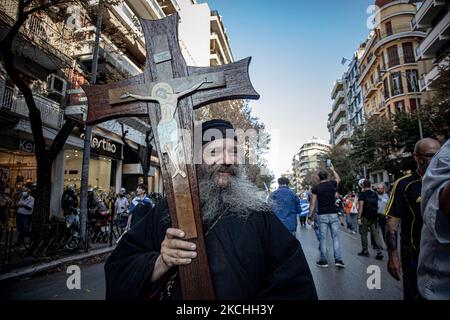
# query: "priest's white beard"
(239, 198)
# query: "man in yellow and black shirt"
(404, 205)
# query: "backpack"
(371, 205)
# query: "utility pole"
(88, 136)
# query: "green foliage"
(240, 115)
(343, 165)
(435, 113)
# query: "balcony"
(341, 125)
(218, 47)
(426, 82)
(436, 39)
(337, 87)
(12, 102)
(429, 10)
(370, 90)
(49, 42)
(338, 113)
(168, 6)
(341, 139)
(148, 9)
(381, 104)
(218, 29)
(109, 52)
(338, 100)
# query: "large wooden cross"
(168, 91)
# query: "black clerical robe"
(250, 258)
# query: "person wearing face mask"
(251, 254)
(404, 206)
(24, 211)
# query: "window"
(413, 84)
(388, 26)
(396, 84)
(408, 52)
(413, 105)
(393, 56)
(386, 88)
(399, 106)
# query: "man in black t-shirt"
(367, 219)
(404, 207)
(325, 193)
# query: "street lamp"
(412, 84)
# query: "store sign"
(26, 145)
(106, 147)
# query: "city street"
(331, 283)
(349, 283)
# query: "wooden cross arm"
(238, 84)
(101, 110)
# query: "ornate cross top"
(168, 91)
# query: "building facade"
(388, 67)
(338, 119)
(353, 92)
(312, 155)
(57, 66)
(433, 18)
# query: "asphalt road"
(349, 283)
(54, 287)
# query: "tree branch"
(60, 139)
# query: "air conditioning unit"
(56, 85)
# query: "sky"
(297, 47)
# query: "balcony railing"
(341, 137)
(436, 38)
(51, 114)
(39, 28)
(338, 112)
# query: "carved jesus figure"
(168, 130)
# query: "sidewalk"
(36, 268)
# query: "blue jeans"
(329, 221)
(353, 221)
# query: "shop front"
(132, 173)
(17, 164)
(104, 163)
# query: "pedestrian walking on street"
(352, 213)
(286, 205)
(325, 194)
(304, 205)
(404, 206)
(367, 219)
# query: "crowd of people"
(418, 202)
(123, 208)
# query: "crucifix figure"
(168, 129)
(176, 89)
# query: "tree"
(310, 179)
(144, 152)
(435, 113)
(240, 115)
(374, 146)
(344, 167)
(44, 156)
